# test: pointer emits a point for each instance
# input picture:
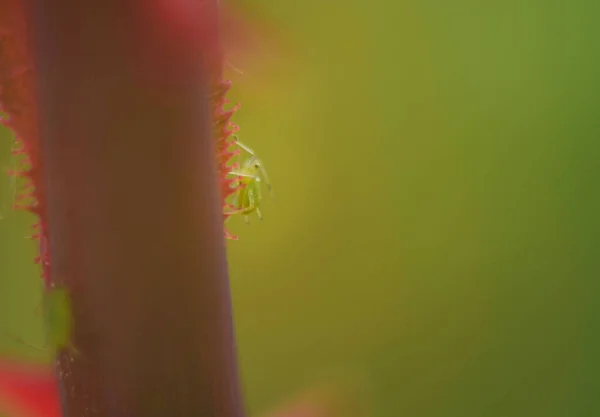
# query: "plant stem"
(133, 212)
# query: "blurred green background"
(436, 167)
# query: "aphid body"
(58, 321)
(251, 175)
(58, 318)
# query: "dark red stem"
(133, 210)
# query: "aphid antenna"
(241, 145)
(230, 65)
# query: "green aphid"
(252, 173)
(58, 321)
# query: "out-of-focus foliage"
(435, 228)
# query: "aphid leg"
(242, 174)
(260, 216)
(38, 348)
(23, 342)
(244, 210)
(247, 219)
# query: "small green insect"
(58, 321)
(58, 317)
(252, 173)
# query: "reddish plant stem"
(133, 211)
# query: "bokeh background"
(434, 232)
